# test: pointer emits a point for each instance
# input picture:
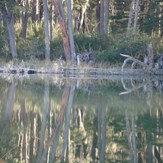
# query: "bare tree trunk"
(9, 22)
(25, 17)
(106, 16)
(130, 15)
(46, 30)
(102, 17)
(136, 14)
(61, 19)
(98, 15)
(51, 21)
(69, 11)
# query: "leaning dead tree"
(147, 64)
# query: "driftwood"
(148, 60)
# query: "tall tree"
(134, 9)
(8, 18)
(69, 15)
(25, 16)
(130, 15)
(136, 14)
(58, 8)
(104, 16)
(46, 30)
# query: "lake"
(81, 119)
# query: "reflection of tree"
(9, 108)
(44, 120)
(131, 137)
(99, 136)
(53, 139)
(67, 124)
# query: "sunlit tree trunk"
(8, 17)
(69, 13)
(46, 30)
(58, 8)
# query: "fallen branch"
(134, 60)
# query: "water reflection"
(118, 120)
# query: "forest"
(95, 30)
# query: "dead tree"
(148, 60)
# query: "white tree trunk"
(72, 47)
(106, 16)
(136, 14)
(46, 30)
(130, 15)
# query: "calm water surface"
(67, 120)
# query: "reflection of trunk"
(10, 103)
(44, 117)
(149, 147)
(67, 123)
(101, 133)
(56, 131)
(95, 137)
(157, 155)
(128, 134)
(131, 138)
(59, 121)
(31, 136)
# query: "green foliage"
(92, 42)
(28, 49)
(108, 48)
(3, 43)
(57, 50)
(135, 44)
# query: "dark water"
(53, 120)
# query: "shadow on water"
(78, 120)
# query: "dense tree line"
(28, 19)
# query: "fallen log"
(134, 60)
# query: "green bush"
(57, 49)
(92, 42)
(135, 44)
(28, 49)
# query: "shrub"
(134, 45)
